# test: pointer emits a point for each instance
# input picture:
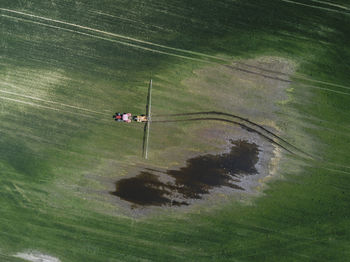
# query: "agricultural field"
(248, 156)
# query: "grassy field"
(67, 66)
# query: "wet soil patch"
(198, 177)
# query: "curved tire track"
(246, 120)
(249, 129)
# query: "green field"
(66, 66)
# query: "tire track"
(51, 108)
(133, 21)
(291, 81)
(320, 82)
(331, 4)
(111, 40)
(149, 43)
(198, 59)
(262, 69)
(169, 48)
(335, 170)
(295, 76)
(249, 129)
(50, 102)
(113, 34)
(337, 165)
(257, 73)
(323, 88)
(246, 120)
(158, 45)
(316, 7)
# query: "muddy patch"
(198, 177)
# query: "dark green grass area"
(303, 217)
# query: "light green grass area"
(67, 66)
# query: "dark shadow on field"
(198, 177)
(28, 164)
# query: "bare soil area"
(247, 152)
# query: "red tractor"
(125, 117)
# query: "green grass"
(47, 155)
